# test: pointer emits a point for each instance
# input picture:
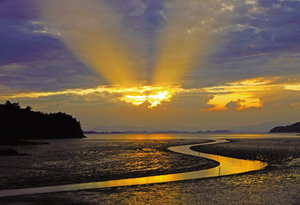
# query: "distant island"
(158, 132)
(287, 129)
(18, 123)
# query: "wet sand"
(274, 151)
(278, 184)
(77, 161)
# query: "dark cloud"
(23, 38)
(273, 26)
(46, 76)
(248, 45)
(32, 58)
(21, 10)
(17, 46)
(234, 105)
(262, 39)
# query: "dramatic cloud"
(214, 58)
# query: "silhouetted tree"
(28, 108)
(18, 123)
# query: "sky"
(209, 63)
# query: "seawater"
(227, 166)
(98, 152)
(170, 136)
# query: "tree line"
(22, 123)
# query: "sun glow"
(239, 95)
(236, 101)
(95, 33)
(134, 95)
(96, 40)
(152, 95)
(185, 39)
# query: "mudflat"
(277, 184)
(90, 160)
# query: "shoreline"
(275, 185)
(229, 149)
(275, 151)
(49, 176)
(224, 162)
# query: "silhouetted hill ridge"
(289, 128)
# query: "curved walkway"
(227, 166)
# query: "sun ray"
(185, 40)
(134, 95)
(93, 38)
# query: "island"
(287, 129)
(17, 124)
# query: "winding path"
(227, 166)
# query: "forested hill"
(289, 128)
(23, 123)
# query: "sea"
(109, 157)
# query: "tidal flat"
(88, 160)
(82, 160)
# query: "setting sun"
(134, 95)
(153, 95)
(93, 92)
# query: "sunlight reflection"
(231, 165)
(138, 136)
(227, 166)
(144, 180)
(152, 195)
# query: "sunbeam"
(186, 38)
(93, 32)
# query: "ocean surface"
(169, 136)
(102, 157)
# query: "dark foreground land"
(275, 151)
(18, 123)
(278, 184)
(87, 160)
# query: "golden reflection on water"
(163, 136)
(231, 165)
(153, 195)
(144, 180)
(227, 166)
(160, 136)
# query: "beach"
(277, 184)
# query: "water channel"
(228, 166)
